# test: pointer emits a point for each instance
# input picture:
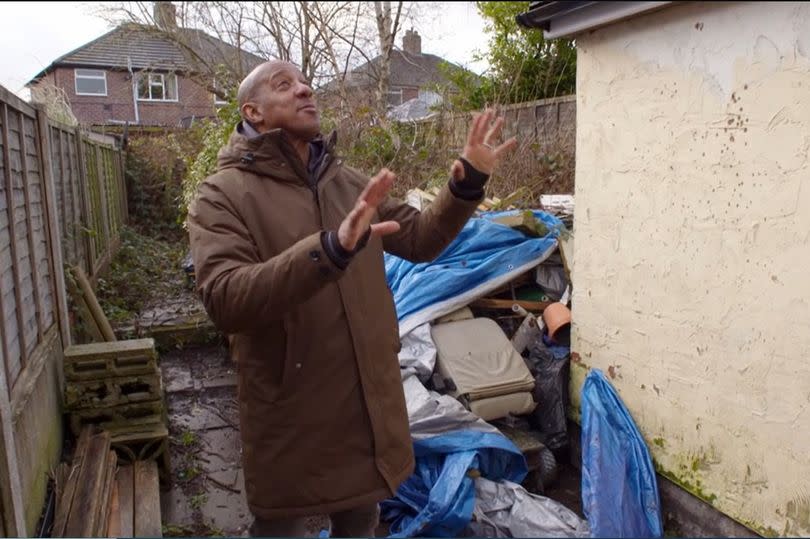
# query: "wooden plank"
(83, 310)
(11, 501)
(147, 500)
(15, 270)
(4, 338)
(84, 187)
(83, 517)
(103, 518)
(126, 501)
(114, 521)
(102, 197)
(92, 302)
(54, 239)
(65, 502)
(32, 256)
(506, 304)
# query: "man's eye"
(283, 85)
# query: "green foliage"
(523, 65)
(155, 166)
(143, 269)
(215, 134)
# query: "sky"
(34, 34)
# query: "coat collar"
(268, 154)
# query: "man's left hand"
(480, 150)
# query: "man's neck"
(301, 146)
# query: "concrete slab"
(176, 378)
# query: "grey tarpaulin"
(505, 509)
(502, 509)
(418, 352)
(430, 413)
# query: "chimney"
(165, 15)
(412, 43)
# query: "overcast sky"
(34, 34)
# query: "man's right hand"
(355, 225)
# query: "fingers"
(506, 147)
(385, 228)
(378, 187)
(495, 131)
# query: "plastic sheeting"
(453, 447)
(506, 509)
(418, 352)
(439, 497)
(484, 256)
(619, 489)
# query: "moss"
(692, 484)
(45, 459)
(659, 442)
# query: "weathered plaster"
(693, 245)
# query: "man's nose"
(303, 90)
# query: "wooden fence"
(62, 201)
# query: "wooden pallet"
(114, 391)
(140, 413)
(136, 512)
(110, 359)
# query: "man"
(288, 245)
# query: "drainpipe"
(134, 90)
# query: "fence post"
(84, 188)
(10, 485)
(55, 243)
(103, 200)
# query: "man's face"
(284, 100)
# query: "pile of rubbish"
(485, 332)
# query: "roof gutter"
(566, 19)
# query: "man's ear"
(251, 113)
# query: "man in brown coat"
(288, 243)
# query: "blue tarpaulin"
(438, 499)
(484, 256)
(619, 489)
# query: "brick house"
(144, 75)
(413, 74)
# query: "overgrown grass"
(143, 270)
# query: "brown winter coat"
(322, 410)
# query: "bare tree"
(387, 29)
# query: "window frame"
(76, 78)
(150, 83)
(391, 93)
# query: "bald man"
(288, 243)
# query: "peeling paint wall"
(693, 246)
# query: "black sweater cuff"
(339, 256)
(472, 186)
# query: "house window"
(90, 81)
(157, 87)
(395, 97)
